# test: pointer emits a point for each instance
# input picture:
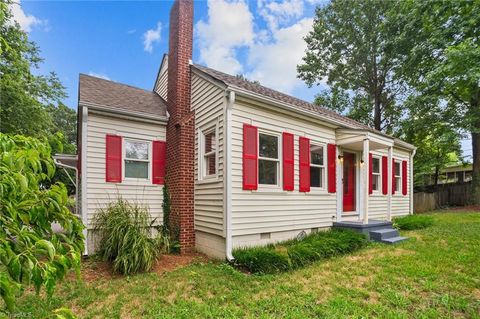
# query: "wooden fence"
(458, 194)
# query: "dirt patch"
(168, 263)
(476, 294)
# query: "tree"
(30, 251)
(355, 46)
(445, 62)
(438, 143)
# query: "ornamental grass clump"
(413, 222)
(126, 239)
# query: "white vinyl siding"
(99, 192)
(208, 101)
(275, 210)
(377, 202)
(161, 86)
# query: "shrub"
(125, 237)
(412, 222)
(261, 260)
(271, 259)
(31, 253)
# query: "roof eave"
(146, 117)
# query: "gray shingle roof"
(120, 96)
(235, 81)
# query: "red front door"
(349, 182)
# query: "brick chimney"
(181, 125)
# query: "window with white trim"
(268, 159)
(398, 177)
(317, 166)
(376, 180)
(137, 159)
(208, 153)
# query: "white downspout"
(411, 181)
(366, 178)
(84, 174)
(227, 173)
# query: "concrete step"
(384, 233)
(393, 240)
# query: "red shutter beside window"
(332, 167)
(384, 175)
(394, 184)
(288, 161)
(404, 178)
(250, 157)
(304, 162)
(370, 173)
(159, 150)
(113, 159)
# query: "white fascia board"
(137, 116)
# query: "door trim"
(340, 213)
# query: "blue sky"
(124, 40)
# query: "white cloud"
(99, 75)
(26, 21)
(280, 13)
(151, 36)
(274, 64)
(229, 27)
(270, 54)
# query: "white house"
(244, 164)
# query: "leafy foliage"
(412, 222)
(125, 237)
(355, 46)
(298, 253)
(30, 252)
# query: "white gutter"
(125, 114)
(227, 173)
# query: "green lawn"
(434, 274)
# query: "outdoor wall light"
(361, 162)
(340, 157)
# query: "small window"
(468, 176)
(136, 159)
(209, 153)
(398, 177)
(268, 162)
(376, 173)
(317, 166)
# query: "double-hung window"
(137, 159)
(376, 179)
(209, 153)
(398, 177)
(317, 166)
(268, 159)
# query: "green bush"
(31, 252)
(261, 260)
(412, 222)
(272, 259)
(125, 237)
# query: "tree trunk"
(437, 172)
(476, 168)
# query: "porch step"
(393, 240)
(380, 234)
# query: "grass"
(434, 274)
(413, 222)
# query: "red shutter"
(304, 161)
(394, 185)
(250, 157)
(113, 159)
(385, 175)
(288, 161)
(404, 177)
(159, 150)
(332, 167)
(370, 173)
